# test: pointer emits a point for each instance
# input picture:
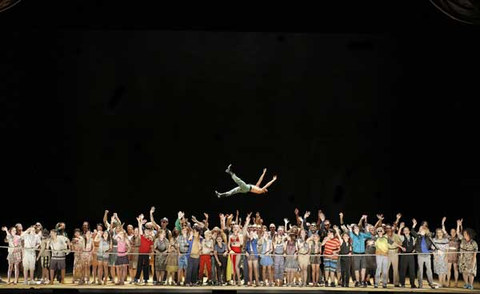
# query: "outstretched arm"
(152, 210)
(269, 183)
(105, 220)
(222, 221)
(206, 220)
(443, 227)
(360, 222)
(261, 178)
(247, 222)
(379, 222)
(5, 229)
(140, 229)
(400, 228)
(459, 227)
(179, 220)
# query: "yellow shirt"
(381, 246)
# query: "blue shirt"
(252, 247)
(359, 241)
(423, 245)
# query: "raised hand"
(402, 225)
(443, 220)
(180, 214)
(221, 216)
(152, 210)
(296, 211)
(414, 221)
(238, 212)
(286, 220)
(321, 215)
(4, 229)
(275, 177)
(399, 215)
(341, 214)
(380, 216)
(307, 214)
(194, 218)
(142, 216)
(249, 215)
(106, 211)
(264, 170)
(206, 215)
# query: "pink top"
(121, 248)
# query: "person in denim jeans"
(182, 247)
(423, 246)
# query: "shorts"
(45, 262)
(28, 260)
(303, 260)
(121, 260)
(102, 258)
(57, 264)
(266, 261)
(315, 259)
(182, 261)
(252, 257)
(359, 262)
(330, 265)
(112, 259)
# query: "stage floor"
(111, 288)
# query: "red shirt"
(145, 245)
(330, 246)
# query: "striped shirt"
(330, 246)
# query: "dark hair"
(175, 233)
(99, 225)
(470, 232)
(77, 230)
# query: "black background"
(357, 109)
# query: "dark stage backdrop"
(123, 120)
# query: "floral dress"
(14, 249)
(161, 247)
(87, 251)
(453, 249)
(440, 262)
(467, 264)
(172, 257)
(291, 263)
(77, 248)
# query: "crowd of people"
(299, 253)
